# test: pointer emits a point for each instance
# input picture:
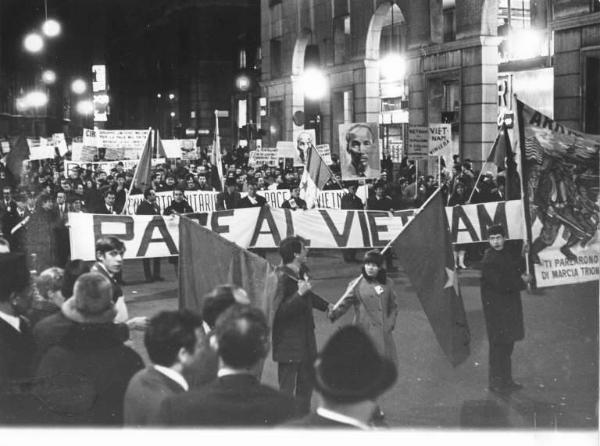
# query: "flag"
(500, 150)
(316, 174)
(160, 149)
(142, 177)
(534, 150)
(425, 251)
(207, 260)
(217, 161)
(19, 152)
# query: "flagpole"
(521, 139)
(437, 191)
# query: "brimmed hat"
(350, 369)
(373, 256)
(93, 308)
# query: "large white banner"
(157, 236)
(107, 166)
(204, 201)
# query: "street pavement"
(557, 362)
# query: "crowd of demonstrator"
(33, 211)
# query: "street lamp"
(48, 77)
(314, 83)
(85, 107)
(392, 67)
(35, 99)
(33, 43)
(171, 96)
(51, 28)
(78, 86)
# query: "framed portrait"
(359, 150)
(303, 138)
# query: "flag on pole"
(142, 177)
(424, 249)
(207, 260)
(19, 152)
(316, 174)
(217, 161)
(160, 149)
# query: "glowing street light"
(33, 43)
(392, 67)
(172, 114)
(242, 82)
(85, 107)
(49, 77)
(158, 95)
(171, 96)
(35, 99)
(51, 28)
(79, 86)
(314, 83)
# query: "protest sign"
(286, 149)
(439, 139)
(560, 172)
(265, 155)
(418, 142)
(325, 152)
(396, 151)
(39, 149)
(58, 140)
(107, 166)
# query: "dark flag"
(207, 260)
(160, 149)
(425, 251)
(19, 152)
(142, 177)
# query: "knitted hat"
(373, 256)
(350, 369)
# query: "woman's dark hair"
(381, 276)
(73, 269)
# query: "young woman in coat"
(375, 304)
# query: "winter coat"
(375, 310)
(92, 354)
(501, 286)
(293, 322)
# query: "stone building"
(457, 62)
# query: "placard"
(440, 139)
(418, 142)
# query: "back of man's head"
(220, 299)
(168, 332)
(50, 280)
(14, 274)
(242, 336)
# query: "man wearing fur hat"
(92, 355)
(349, 375)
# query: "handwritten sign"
(418, 141)
(325, 153)
(439, 139)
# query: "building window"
(595, 5)
(341, 38)
(275, 57)
(242, 59)
(592, 95)
(524, 28)
(449, 22)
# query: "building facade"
(460, 62)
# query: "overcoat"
(501, 286)
(375, 310)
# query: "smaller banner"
(265, 155)
(39, 149)
(107, 166)
(418, 142)
(286, 149)
(58, 140)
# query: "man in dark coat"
(15, 224)
(351, 201)
(90, 351)
(41, 233)
(236, 397)
(294, 202)
(252, 200)
(17, 346)
(501, 284)
(349, 375)
(294, 343)
(149, 207)
(179, 205)
(108, 206)
(172, 341)
(230, 198)
(381, 202)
